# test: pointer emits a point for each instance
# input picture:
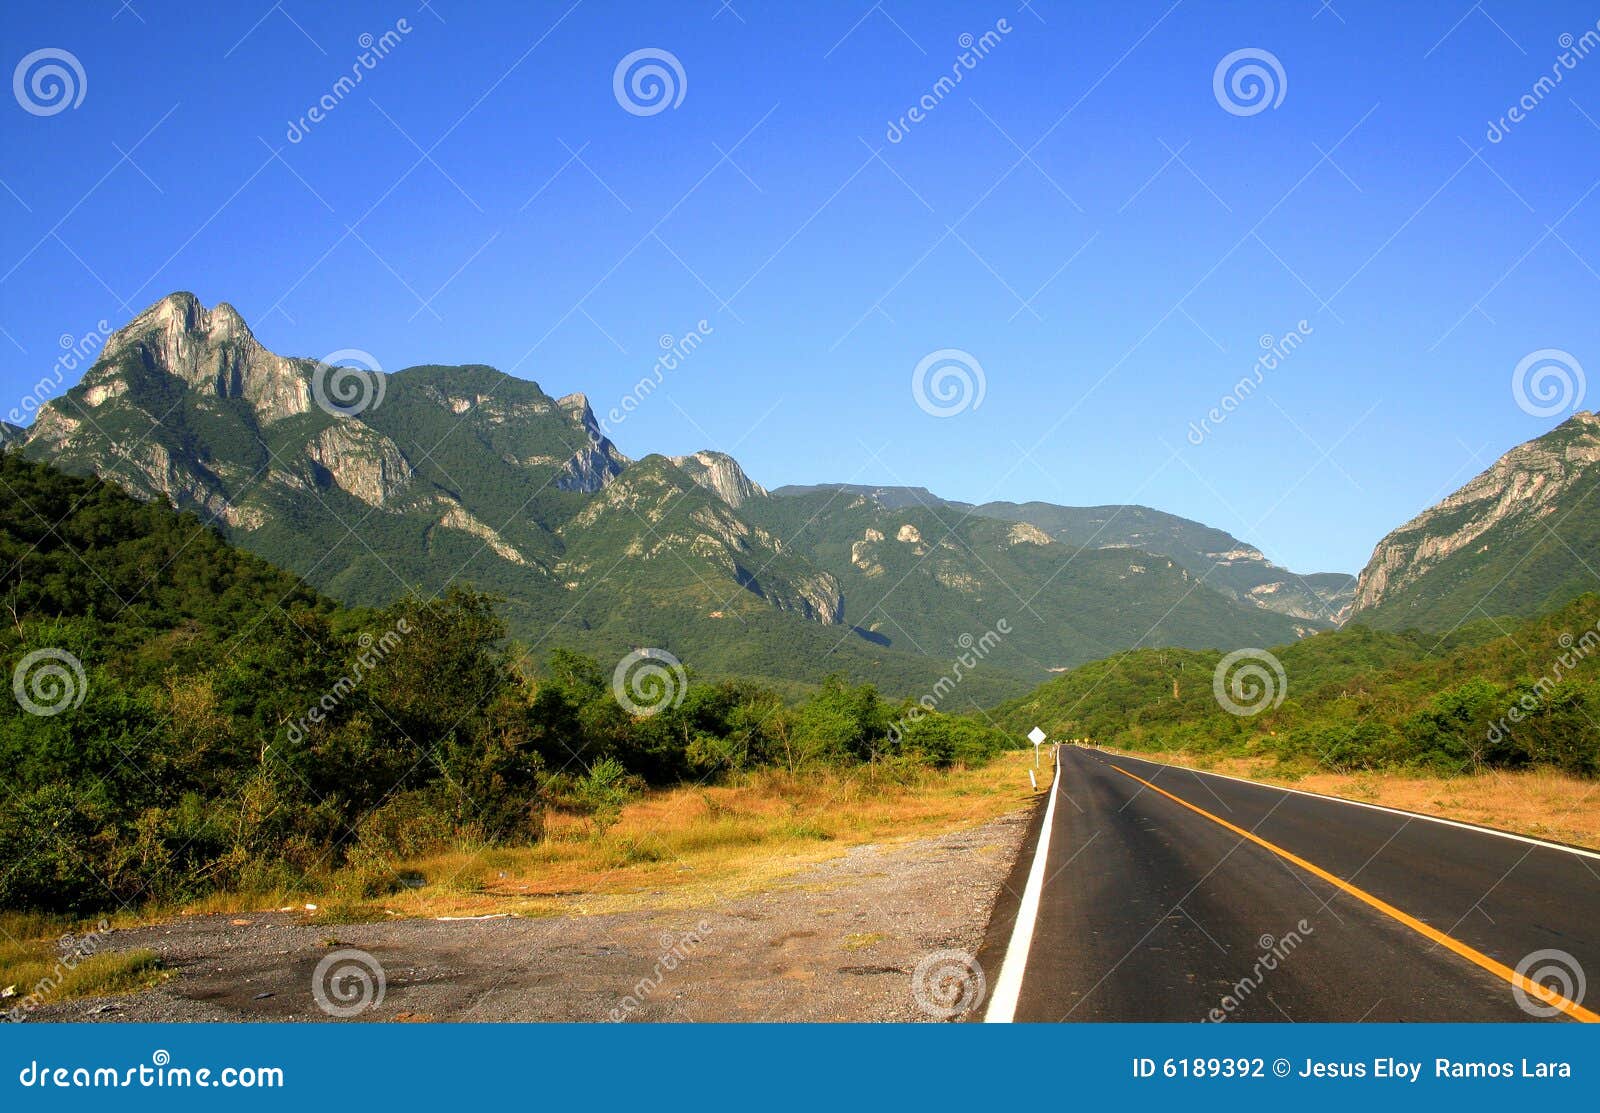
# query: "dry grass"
(1540, 803)
(861, 940)
(37, 961)
(676, 848)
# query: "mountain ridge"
(1510, 541)
(1238, 569)
(370, 484)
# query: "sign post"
(1036, 736)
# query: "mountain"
(893, 498)
(370, 484)
(450, 473)
(11, 434)
(1236, 569)
(1519, 539)
(927, 576)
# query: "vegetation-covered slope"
(185, 717)
(1357, 699)
(922, 577)
(1237, 570)
(371, 485)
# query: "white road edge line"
(1008, 987)
(1578, 850)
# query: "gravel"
(838, 941)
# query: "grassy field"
(676, 848)
(1539, 803)
(46, 959)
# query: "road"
(1164, 894)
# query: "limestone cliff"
(720, 474)
(1534, 507)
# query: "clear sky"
(1082, 213)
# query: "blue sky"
(1081, 213)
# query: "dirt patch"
(837, 941)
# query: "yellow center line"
(1472, 955)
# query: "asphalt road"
(1148, 910)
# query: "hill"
(1490, 696)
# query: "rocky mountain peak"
(209, 349)
(597, 461)
(180, 317)
(720, 474)
(577, 405)
(1583, 419)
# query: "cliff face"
(597, 462)
(680, 540)
(720, 474)
(211, 350)
(361, 461)
(185, 404)
(1534, 508)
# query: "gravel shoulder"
(838, 941)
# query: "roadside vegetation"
(201, 723)
(51, 958)
(687, 846)
(1499, 695)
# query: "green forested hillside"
(185, 717)
(1226, 564)
(919, 577)
(1494, 694)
